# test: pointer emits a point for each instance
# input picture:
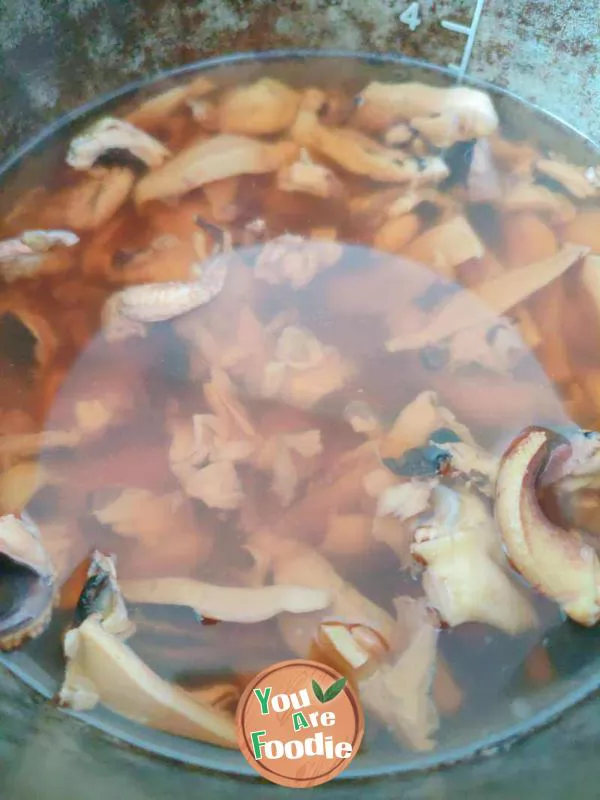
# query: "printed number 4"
(411, 16)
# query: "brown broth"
(348, 307)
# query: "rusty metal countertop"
(547, 52)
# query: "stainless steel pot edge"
(215, 759)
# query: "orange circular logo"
(299, 723)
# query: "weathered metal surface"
(547, 52)
(55, 56)
(46, 756)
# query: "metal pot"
(52, 61)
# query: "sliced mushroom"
(103, 669)
(217, 485)
(556, 562)
(376, 482)
(139, 513)
(293, 259)
(299, 564)
(265, 107)
(524, 196)
(88, 419)
(498, 348)
(513, 156)
(339, 648)
(406, 500)
(473, 464)
(204, 450)
(160, 257)
(446, 246)
(397, 233)
(497, 295)
(221, 196)
(27, 582)
(154, 111)
(527, 237)
(447, 694)
(223, 156)
(205, 112)
(466, 579)
(443, 115)
(375, 208)
(397, 508)
(580, 182)
(110, 134)
(399, 693)
(205, 466)
(398, 135)
(415, 423)
(483, 181)
(30, 444)
(101, 595)
(584, 461)
(298, 348)
(29, 255)
(362, 419)
(221, 397)
(228, 335)
(126, 312)
(94, 416)
(307, 177)
(228, 603)
(281, 454)
(159, 302)
(260, 569)
(19, 484)
(92, 201)
(361, 155)
(585, 229)
(215, 440)
(372, 209)
(303, 371)
(593, 175)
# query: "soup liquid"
(354, 307)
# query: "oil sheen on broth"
(292, 426)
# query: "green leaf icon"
(334, 689)
(331, 693)
(318, 692)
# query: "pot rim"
(206, 756)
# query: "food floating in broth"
(101, 668)
(311, 366)
(557, 562)
(28, 582)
